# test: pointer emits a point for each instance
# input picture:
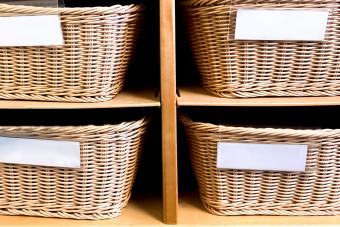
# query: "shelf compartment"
(197, 96)
(125, 99)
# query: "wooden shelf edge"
(197, 96)
(190, 206)
(125, 99)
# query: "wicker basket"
(100, 189)
(234, 68)
(238, 192)
(90, 67)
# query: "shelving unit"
(171, 209)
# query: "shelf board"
(192, 212)
(142, 211)
(197, 96)
(125, 99)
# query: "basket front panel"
(232, 68)
(90, 66)
(99, 189)
(238, 192)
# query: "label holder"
(280, 24)
(302, 166)
(31, 29)
(40, 152)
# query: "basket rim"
(23, 9)
(266, 131)
(207, 3)
(88, 128)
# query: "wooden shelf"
(197, 96)
(125, 99)
(146, 211)
(192, 212)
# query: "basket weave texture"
(238, 68)
(236, 192)
(90, 67)
(100, 189)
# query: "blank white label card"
(266, 157)
(53, 153)
(281, 24)
(41, 30)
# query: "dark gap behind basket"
(144, 69)
(186, 69)
(277, 117)
(72, 117)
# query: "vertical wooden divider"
(169, 112)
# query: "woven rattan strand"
(234, 68)
(100, 189)
(236, 192)
(90, 67)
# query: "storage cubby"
(292, 117)
(139, 97)
(201, 106)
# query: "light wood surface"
(197, 96)
(191, 212)
(148, 212)
(168, 99)
(145, 211)
(144, 98)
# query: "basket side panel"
(232, 68)
(238, 192)
(100, 189)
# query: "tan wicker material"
(234, 68)
(238, 192)
(90, 67)
(100, 189)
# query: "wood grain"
(168, 100)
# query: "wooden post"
(169, 118)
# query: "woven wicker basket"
(90, 67)
(234, 68)
(100, 189)
(238, 192)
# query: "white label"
(281, 24)
(267, 157)
(42, 30)
(39, 152)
